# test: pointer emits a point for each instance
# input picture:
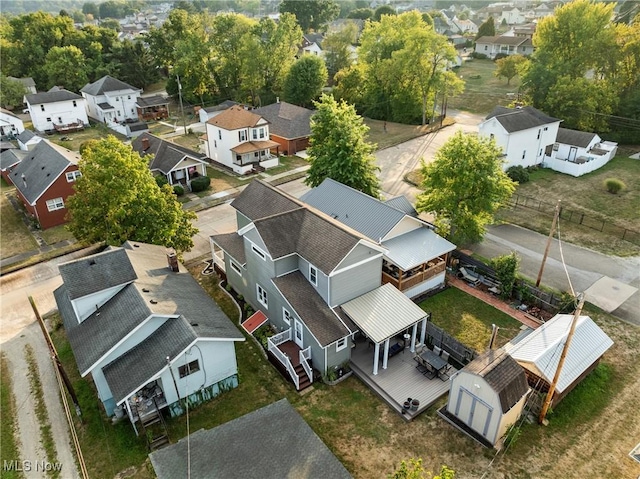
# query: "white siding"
(59, 112)
(405, 225)
(86, 305)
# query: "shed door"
(474, 412)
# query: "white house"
(523, 134)
(512, 15)
(505, 44)
(57, 110)
(144, 329)
(205, 114)
(239, 139)
(578, 152)
(466, 26)
(110, 100)
(311, 44)
(27, 140)
(10, 124)
(27, 82)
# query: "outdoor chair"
(444, 355)
(469, 276)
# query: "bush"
(518, 173)
(499, 56)
(506, 267)
(161, 180)
(178, 190)
(201, 183)
(614, 185)
(479, 56)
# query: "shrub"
(614, 185)
(201, 183)
(479, 56)
(518, 173)
(178, 190)
(86, 144)
(499, 56)
(161, 180)
(506, 267)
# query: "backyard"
(342, 415)
(16, 237)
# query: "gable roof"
(167, 155)
(540, 351)
(40, 167)
(25, 136)
(504, 40)
(221, 106)
(155, 100)
(28, 82)
(11, 157)
(105, 85)
(401, 203)
(233, 244)
(574, 137)
(251, 449)
(505, 376)
(235, 118)
(260, 199)
(309, 38)
(52, 96)
(287, 120)
(8, 113)
(518, 119)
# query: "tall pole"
(552, 387)
(184, 123)
(546, 250)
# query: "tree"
(508, 66)
(337, 48)
(361, 14)
(311, 14)
(414, 470)
(383, 10)
(305, 80)
(65, 66)
(12, 93)
(338, 148)
(116, 199)
(506, 268)
(90, 8)
(487, 28)
(464, 187)
(136, 66)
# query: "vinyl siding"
(357, 254)
(356, 281)
(286, 265)
(241, 220)
(323, 281)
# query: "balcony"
(403, 280)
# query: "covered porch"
(152, 108)
(295, 360)
(248, 155)
(185, 172)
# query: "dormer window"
(313, 275)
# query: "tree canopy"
(311, 14)
(305, 80)
(117, 199)
(487, 28)
(338, 148)
(508, 66)
(337, 47)
(12, 92)
(464, 187)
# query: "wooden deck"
(292, 350)
(401, 380)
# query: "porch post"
(385, 358)
(376, 353)
(126, 402)
(414, 333)
(423, 331)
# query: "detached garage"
(486, 397)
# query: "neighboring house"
(289, 125)
(487, 396)
(44, 179)
(28, 83)
(577, 152)
(57, 110)
(465, 26)
(539, 353)
(178, 164)
(27, 140)
(154, 108)
(311, 44)
(239, 140)
(507, 45)
(415, 255)
(145, 330)
(249, 447)
(301, 268)
(543, 10)
(205, 114)
(10, 125)
(8, 160)
(110, 100)
(512, 15)
(523, 134)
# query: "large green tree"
(337, 48)
(311, 14)
(117, 199)
(338, 148)
(508, 67)
(487, 29)
(464, 187)
(12, 92)
(305, 80)
(66, 66)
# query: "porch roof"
(383, 312)
(416, 247)
(251, 146)
(232, 244)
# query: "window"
(41, 107)
(486, 47)
(73, 176)
(48, 118)
(256, 154)
(55, 204)
(341, 344)
(261, 132)
(491, 136)
(540, 154)
(236, 267)
(255, 134)
(556, 146)
(313, 275)
(257, 251)
(242, 135)
(262, 296)
(538, 134)
(190, 368)
(219, 134)
(74, 104)
(524, 153)
(59, 119)
(128, 97)
(545, 128)
(286, 315)
(215, 144)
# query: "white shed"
(487, 396)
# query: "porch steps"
(158, 442)
(304, 382)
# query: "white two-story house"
(239, 139)
(57, 110)
(110, 100)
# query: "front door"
(297, 333)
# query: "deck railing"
(283, 358)
(305, 356)
(278, 339)
(415, 279)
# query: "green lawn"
(287, 163)
(96, 131)
(56, 234)
(15, 238)
(394, 133)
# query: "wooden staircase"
(154, 429)
(305, 381)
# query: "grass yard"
(190, 141)
(482, 91)
(9, 450)
(287, 163)
(56, 234)
(221, 181)
(15, 238)
(395, 132)
(96, 131)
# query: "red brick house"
(44, 179)
(290, 125)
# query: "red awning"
(256, 320)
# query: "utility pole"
(184, 122)
(552, 387)
(546, 250)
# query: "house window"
(492, 136)
(256, 154)
(215, 144)
(286, 315)
(486, 47)
(262, 296)
(74, 104)
(261, 132)
(313, 275)
(41, 107)
(128, 97)
(556, 146)
(539, 131)
(219, 134)
(55, 204)
(73, 175)
(254, 132)
(545, 128)
(259, 252)
(235, 267)
(48, 118)
(189, 368)
(524, 153)
(59, 119)
(242, 135)
(540, 154)
(341, 344)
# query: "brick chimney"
(172, 261)
(145, 144)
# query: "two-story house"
(57, 110)
(10, 125)
(146, 332)
(110, 100)
(523, 134)
(289, 125)
(239, 140)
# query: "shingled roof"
(235, 118)
(518, 119)
(105, 85)
(287, 120)
(259, 200)
(166, 154)
(52, 96)
(574, 137)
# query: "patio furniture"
(469, 276)
(433, 362)
(393, 350)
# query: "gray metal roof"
(233, 244)
(249, 447)
(359, 211)
(167, 155)
(383, 312)
(128, 373)
(540, 351)
(309, 306)
(12, 157)
(287, 120)
(401, 203)
(416, 247)
(574, 137)
(52, 97)
(25, 136)
(505, 376)
(221, 107)
(260, 199)
(518, 119)
(40, 167)
(106, 84)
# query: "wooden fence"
(439, 337)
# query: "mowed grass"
(96, 131)
(15, 237)
(9, 450)
(394, 133)
(482, 91)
